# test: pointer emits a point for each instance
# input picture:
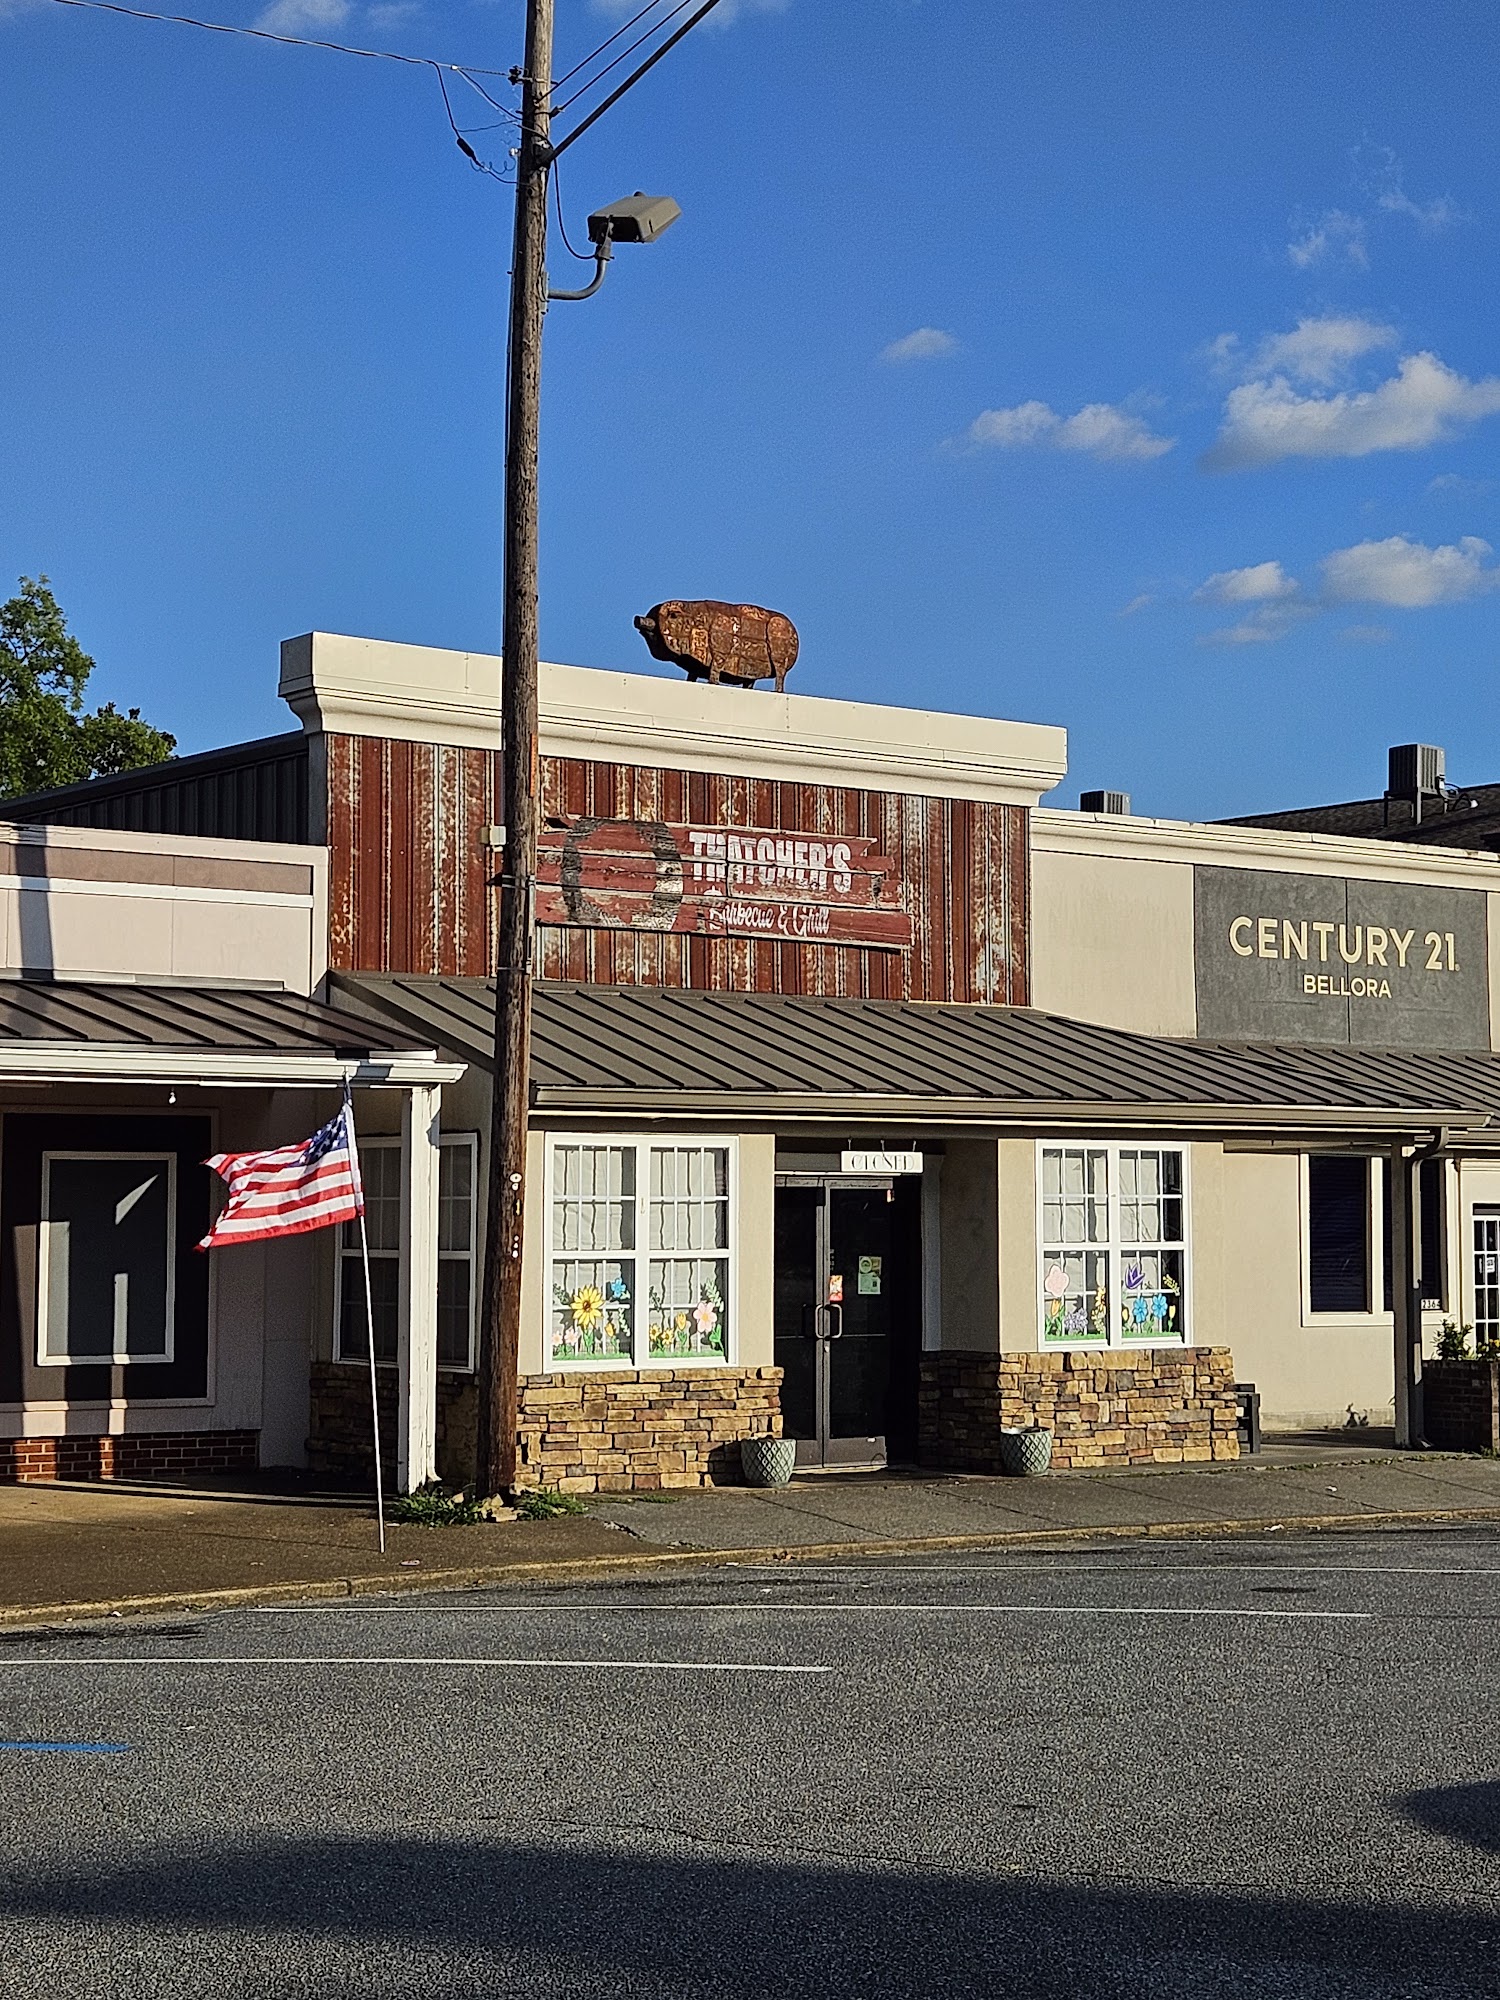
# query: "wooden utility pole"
(505, 1211)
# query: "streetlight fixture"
(635, 218)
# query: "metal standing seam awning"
(668, 1054)
(68, 1031)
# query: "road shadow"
(580, 1918)
(1470, 1813)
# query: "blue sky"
(1130, 367)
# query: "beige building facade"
(873, 1101)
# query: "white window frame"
(1116, 1339)
(44, 1260)
(386, 1143)
(644, 1143)
(1378, 1313)
(469, 1142)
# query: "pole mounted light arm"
(636, 218)
(603, 253)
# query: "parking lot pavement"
(1169, 1770)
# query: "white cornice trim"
(421, 694)
(1114, 837)
(97, 1062)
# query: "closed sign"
(880, 1163)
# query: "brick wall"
(632, 1430)
(138, 1455)
(1461, 1405)
(1154, 1407)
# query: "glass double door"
(833, 1319)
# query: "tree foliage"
(46, 738)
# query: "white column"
(1406, 1298)
(416, 1416)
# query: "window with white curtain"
(641, 1257)
(1113, 1246)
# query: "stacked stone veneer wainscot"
(610, 1431)
(619, 1431)
(1109, 1407)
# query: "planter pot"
(768, 1461)
(1025, 1454)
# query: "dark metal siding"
(412, 879)
(250, 791)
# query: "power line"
(623, 29)
(482, 166)
(265, 35)
(655, 27)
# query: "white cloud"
(1423, 403)
(1385, 179)
(1336, 234)
(1256, 584)
(1102, 430)
(1139, 603)
(1456, 486)
(928, 343)
(1262, 627)
(393, 13)
(1398, 574)
(1407, 575)
(301, 17)
(1319, 350)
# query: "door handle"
(835, 1314)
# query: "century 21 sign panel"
(1322, 958)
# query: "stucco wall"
(1112, 935)
(1309, 1369)
(80, 902)
(1112, 940)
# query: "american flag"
(290, 1188)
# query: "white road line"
(403, 1660)
(937, 1610)
(787, 1572)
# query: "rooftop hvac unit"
(1414, 771)
(1114, 802)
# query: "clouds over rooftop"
(1106, 431)
(1395, 573)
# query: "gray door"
(833, 1295)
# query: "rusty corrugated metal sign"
(412, 878)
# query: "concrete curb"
(494, 1576)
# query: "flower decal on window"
(587, 1307)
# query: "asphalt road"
(1249, 1768)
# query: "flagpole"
(364, 1247)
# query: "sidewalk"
(75, 1551)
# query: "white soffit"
(423, 694)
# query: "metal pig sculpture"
(740, 643)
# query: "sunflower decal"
(587, 1308)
